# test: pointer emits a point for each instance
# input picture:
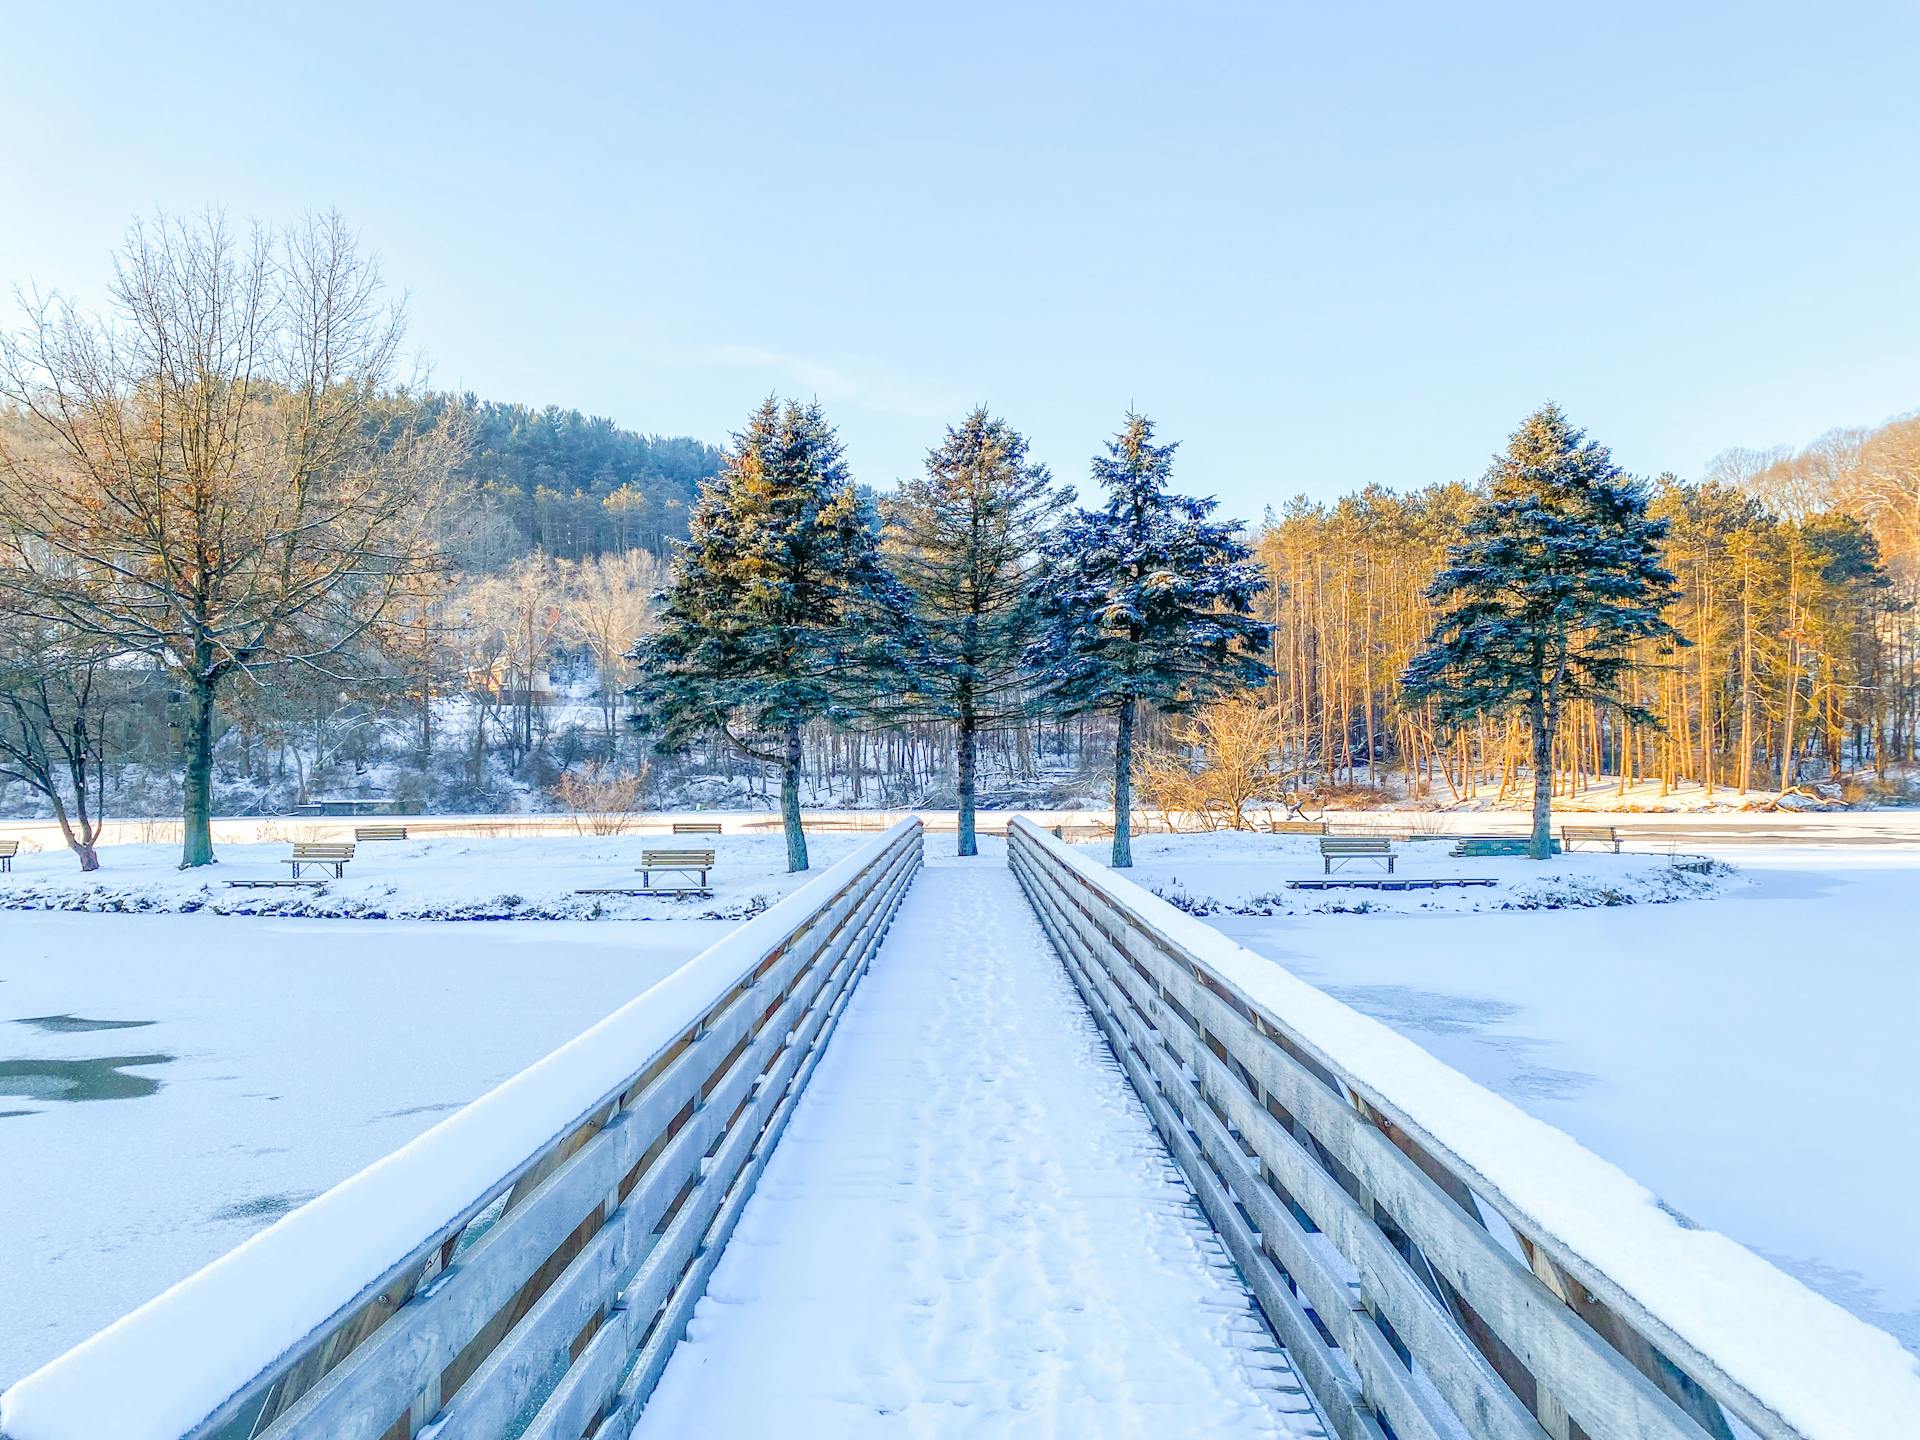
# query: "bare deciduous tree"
(1229, 761)
(220, 473)
(1887, 489)
(55, 695)
(610, 606)
(602, 801)
(513, 624)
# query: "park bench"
(335, 853)
(1343, 849)
(696, 827)
(685, 863)
(8, 849)
(379, 832)
(1572, 835)
(1296, 827)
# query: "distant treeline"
(572, 485)
(1799, 595)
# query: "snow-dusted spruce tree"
(1147, 601)
(1558, 579)
(965, 539)
(780, 610)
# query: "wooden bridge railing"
(526, 1267)
(1417, 1290)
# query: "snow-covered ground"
(970, 1227)
(287, 1055)
(1653, 831)
(1750, 1058)
(437, 878)
(1248, 873)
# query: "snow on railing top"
(161, 1370)
(1711, 1303)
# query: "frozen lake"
(170, 1084)
(1751, 1059)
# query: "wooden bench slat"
(380, 832)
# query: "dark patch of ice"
(103, 1077)
(77, 1024)
(262, 1207)
(417, 1110)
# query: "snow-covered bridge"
(974, 1213)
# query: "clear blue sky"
(1322, 246)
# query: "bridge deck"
(970, 1227)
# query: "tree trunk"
(1746, 685)
(81, 840)
(967, 741)
(196, 844)
(790, 801)
(1540, 845)
(1123, 788)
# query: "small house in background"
(508, 684)
(349, 805)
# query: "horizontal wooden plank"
(590, 1382)
(658, 1348)
(419, 1355)
(500, 1388)
(1328, 1374)
(1182, 1122)
(1600, 1387)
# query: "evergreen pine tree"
(965, 538)
(1146, 601)
(780, 610)
(1558, 578)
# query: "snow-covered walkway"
(971, 1228)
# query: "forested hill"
(577, 485)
